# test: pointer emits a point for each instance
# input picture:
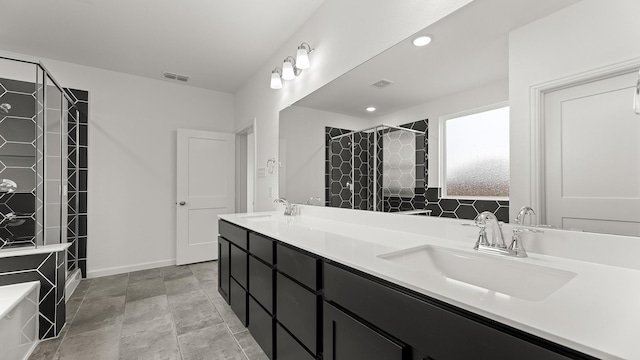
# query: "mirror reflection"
(568, 148)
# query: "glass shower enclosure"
(381, 168)
(34, 115)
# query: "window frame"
(442, 158)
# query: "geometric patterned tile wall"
(48, 268)
(77, 180)
(18, 163)
(341, 156)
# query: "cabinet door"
(261, 327)
(261, 283)
(239, 265)
(223, 268)
(238, 297)
(297, 310)
(347, 338)
(287, 348)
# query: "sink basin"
(507, 276)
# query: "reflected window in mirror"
(475, 154)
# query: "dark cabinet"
(239, 267)
(223, 268)
(262, 247)
(238, 297)
(261, 327)
(287, 348)
(438, 330)
(297, 311)
(345, 337)
(233, 233)
(298, 265)
(261, 283)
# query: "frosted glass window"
(476, 155)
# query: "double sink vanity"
(341, 284)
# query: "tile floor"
(168, 313)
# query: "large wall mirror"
(513, 103)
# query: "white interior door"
(592, 157)
(205, 189)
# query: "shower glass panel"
(33, 151)
(376, 169)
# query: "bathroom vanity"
(337, 284)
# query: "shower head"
(4, 107)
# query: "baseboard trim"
(129, 268)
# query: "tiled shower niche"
(402, 170)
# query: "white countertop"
(597, 312)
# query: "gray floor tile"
(73, 305)
(109, 286)
(211, 289)
(212, 343)
(156, 341)
(146, 275)
(142, 314)
(177, 272)
(100, 344)
(98, 313)
(145, 289)
(229, 317)
(181, 285)
(193, 311)
(81, 289)
(250, 347)
(207, 271)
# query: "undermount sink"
(507, 276)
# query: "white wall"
(132, 160)
(433, 110)
(344, 34)
(586, 36)
(302, 130)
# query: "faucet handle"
(516, 247)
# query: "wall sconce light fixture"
(302, 56)
(291, 67)
(276, 79)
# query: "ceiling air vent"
(173, 76)
(381, 83)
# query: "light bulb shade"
(276, 81)
(302, 58)
(287, 70)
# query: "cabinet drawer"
(297, 310)
(261, 283)
(223, 268)
(261, 327)
(432, 330)
(300, 266)
(233, 233)
(239, 265)
(238, 297)
(262, 247)
(287, 348)
(347, 338)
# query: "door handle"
(182, 203)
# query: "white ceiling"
(469, 49)
(218, 43)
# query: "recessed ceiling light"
(371, 109)
(422, 40)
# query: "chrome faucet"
(522, 214)
(289, 208)
(497, 245)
